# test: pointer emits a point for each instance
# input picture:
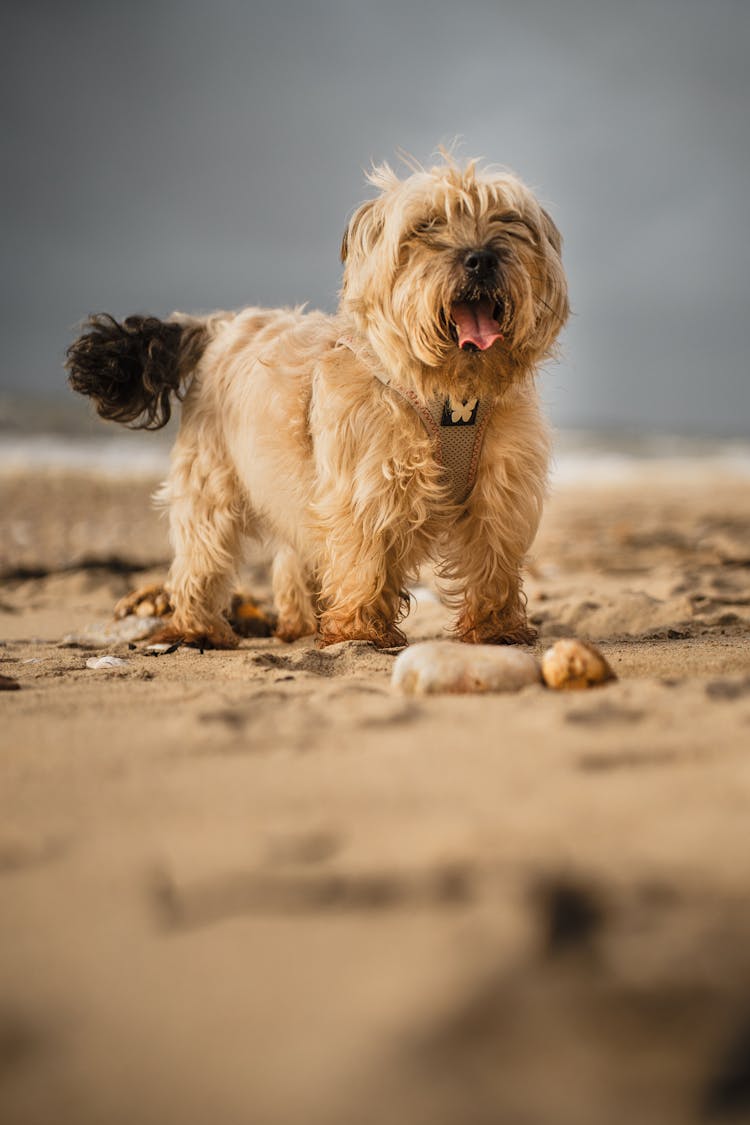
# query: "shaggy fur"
(287, 432)
(132, 369)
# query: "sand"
(261, 887)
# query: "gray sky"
(191, 155)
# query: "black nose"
(481, 264)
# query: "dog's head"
(455, 268)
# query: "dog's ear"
(552, 233)
(364, 227)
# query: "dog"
(404, 428)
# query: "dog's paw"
(249, 619)
(290, 631)
(496, 630)
(218, 636)
(382, 636)
(147, 601)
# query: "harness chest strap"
(456, 428)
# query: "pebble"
(99, 662)
(435, 667)
(571, 665)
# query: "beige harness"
(456, 428)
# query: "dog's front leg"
(363, 562)
(361, 588)
(495, 612)
(488, 545)
(492, 604)
(376, 476)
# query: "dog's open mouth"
(475, 325)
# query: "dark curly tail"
(132, 369)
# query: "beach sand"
(260, 887)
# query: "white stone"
(435, 667)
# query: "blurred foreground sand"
(258, 887)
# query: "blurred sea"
(54, 433)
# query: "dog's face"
(455, 268)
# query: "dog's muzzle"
(476, 316)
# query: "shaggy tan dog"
(405, 428)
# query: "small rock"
(455, 668)
(571, 665)
(99, 662)
(7, 683)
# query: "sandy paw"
(216, 637)
(147, 601)
(249, 619)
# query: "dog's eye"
(514, 225)
(426, 226)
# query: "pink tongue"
(476, 324)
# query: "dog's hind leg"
(293, 595)
(208, 518)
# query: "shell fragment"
(571, 665)
(100, 662)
